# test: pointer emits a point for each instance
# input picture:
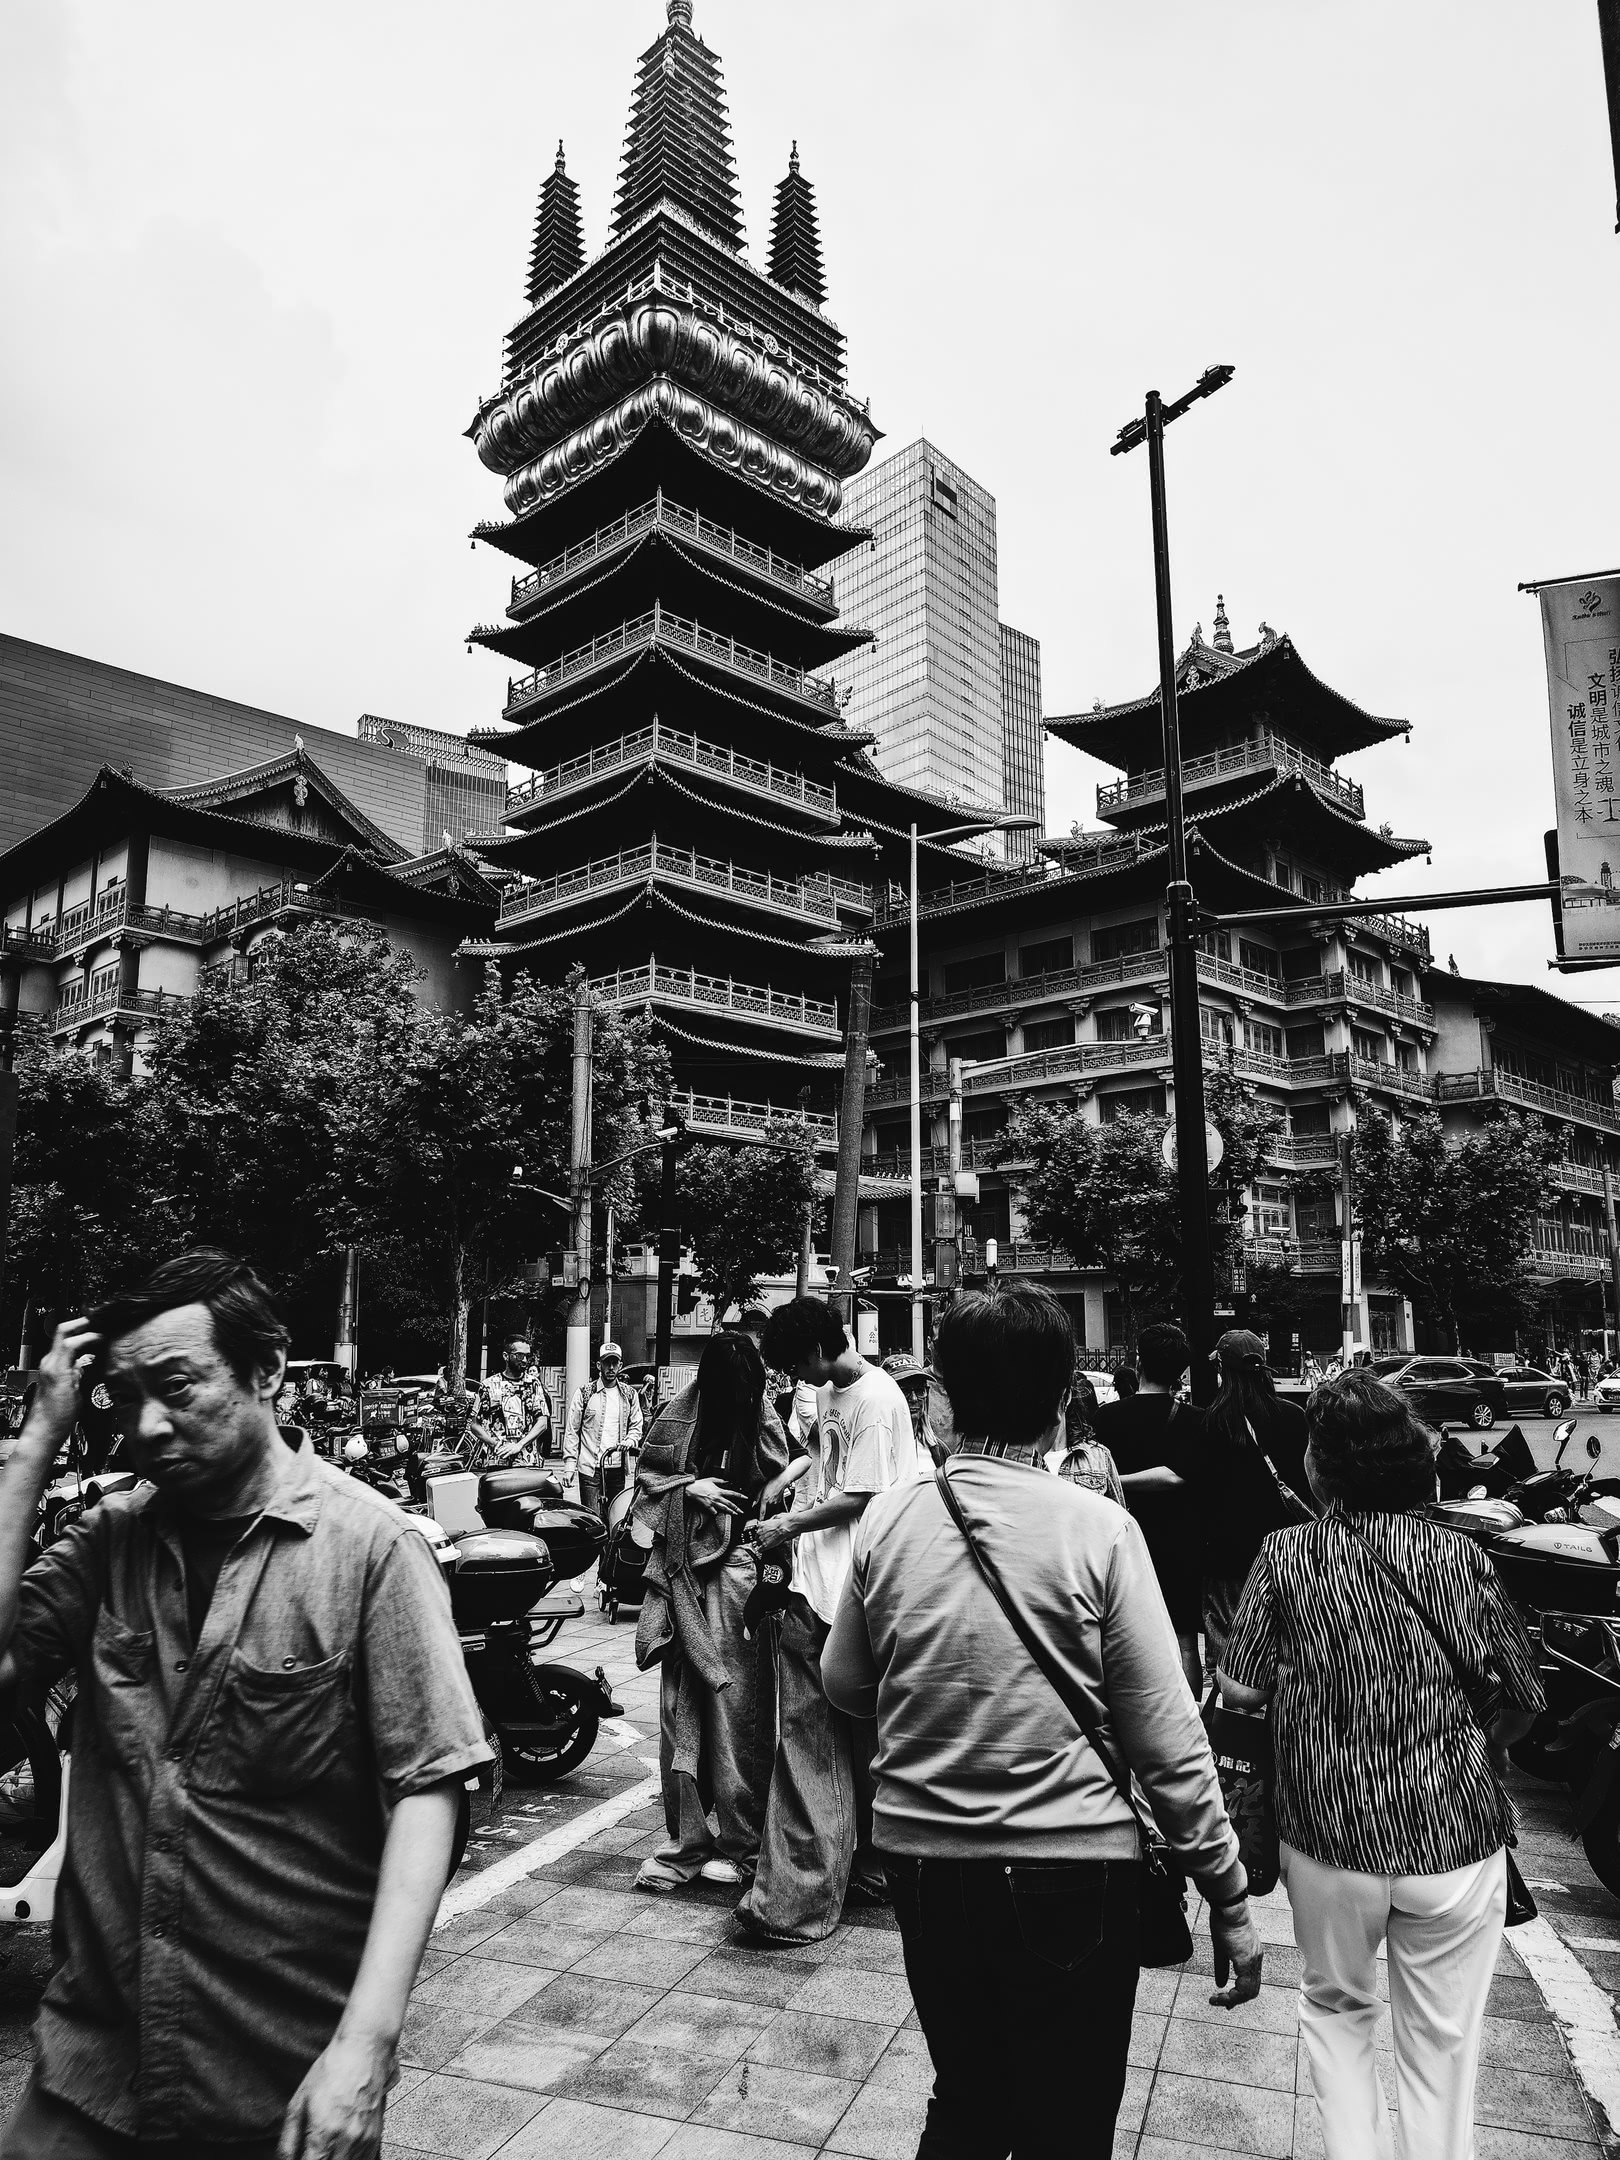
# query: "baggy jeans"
(818, 1823)
(739, 1726)
(1444, 1932)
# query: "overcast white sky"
(257, 262)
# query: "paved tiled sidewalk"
(577, 2017)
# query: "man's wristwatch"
(1227, 1904)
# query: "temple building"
(113, 913)
(699, 824)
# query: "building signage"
(1580, 623)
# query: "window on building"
(1300, 963)
(985, 1122)
(1118, 940)
(893, 1135)
(985, 1043)
(1131, 1102)
(1317, 1217)
(1267, 1040)
(1406, 1056)
(1400, 982)
(1050, 957)
(982, 972)
(1118, 1024)
(1260, 959)
(1364, 967)
(1304, 1042)
(943, 494)
(1312, 887)
(1049, 1034)
(1215, 1028)
(1269, 1210)
(1217, 943)
(103, 980)
(1309, 1118)
(1366, 1044)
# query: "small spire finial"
(680, 11)
(559, 165)
(793, 156)
(1223, 629)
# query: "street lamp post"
(949, 832)
(1186, 1051)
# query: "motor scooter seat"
(498, 1485)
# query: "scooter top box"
(503, 1574)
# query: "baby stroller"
(624, 1562)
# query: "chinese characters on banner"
(1580, 623)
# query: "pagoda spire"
(677, 147)
(795, 259)
(558, 250)
(1223, 629)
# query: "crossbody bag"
(1521, 1906)
(1162, 1903)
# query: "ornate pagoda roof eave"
(1393, 848)
(1586, 1034)
(249, 779)
(1355, 728)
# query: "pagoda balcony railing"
(1127, 968)
(660, 626)
(1396, 930)
(715, 993)
(1581, 1178)
(1267, 752)
(692, 525)
(896, 1162)
(1335, 1067)
(1303, 1151)
(1354, 989)
(1306, 1256)
(1014, 1256)
(692, 750)
(1572, 1253)
(1084, 1060)
(73, 1013)
(726, 1114)
(811, 898)
(1493, 1084)
(22, 945)
(103, 917)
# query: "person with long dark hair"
(715, 1456)
(1247, 1476)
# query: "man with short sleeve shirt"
(816, 1848)
(272, 1731)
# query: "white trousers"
(1443, 1932)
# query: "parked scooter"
(1562, 1571)
(506, 1539)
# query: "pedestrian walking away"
(817, 1848)
(1397, 1674)
(1247, 1478)
(1155, 1440)
(1080, 1456)
(715, 1457)
(274, 1725)
(605, 1414)
(1014, 1856)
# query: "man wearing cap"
(604, 1414)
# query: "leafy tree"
(742, 1210)
(1104, 1194)
(1449, 1223)
(486, 1094)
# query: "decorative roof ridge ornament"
(1223, 629)
(680, 14)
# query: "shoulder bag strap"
(1420, 1609)
(1285, 1491)
(1061, 1684)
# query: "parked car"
(1447, 1390)
(1530, 1390)
(1608, 1392)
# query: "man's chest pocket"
(273, 1733)
(128, 1715)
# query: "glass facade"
(1023, 763)
(929, 689)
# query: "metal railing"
(1303, 1151)
(692, 750)
(1355, 989)
(725, 1114)
(102, 917)
(692, 525)
(1395, 930)
(686, 986)
(1265, 752)
(659, 626)
(1495, 1084)
(80, 1012)
(812, 898)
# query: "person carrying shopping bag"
(1397, 1673)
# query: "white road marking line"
(1561, 1887)
(1591, 1942)
(475, 1891)
(1584, 2013)
(621, 1732)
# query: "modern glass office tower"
(1023, 739)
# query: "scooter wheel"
(1536, 1760)
(541, 1758)
(1601, 1842)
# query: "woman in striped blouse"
(1392, 1817)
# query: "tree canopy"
(742, 1210)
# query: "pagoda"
(698, 826)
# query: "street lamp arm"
(1135, 432)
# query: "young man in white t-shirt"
(817, 1843)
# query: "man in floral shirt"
(514, 1414)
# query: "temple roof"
(795, 258)
(1219, 693)
(264, 785)
(471, 900)
(1363, 847)
(1553, 1022)
(559, 247)
(677, 147)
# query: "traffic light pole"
(1186, 1042)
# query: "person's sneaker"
(722, 1870)
(654, 1876)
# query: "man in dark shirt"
(272, 1729)
(1152, 1435)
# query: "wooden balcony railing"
(659, 626)
(693, 526)
(706, 1114)
(1267, 752)
(811, 898)
(692, 750)
(715, 993)
(1495, 1084)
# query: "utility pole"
(1614, 1250)
(851, 1117)
(1348, 1271)
(577, 1368)
(669, 1237)
(948, 1215)
(1186, 1047)
(915, 1010)
(344, 1350)
(801, 1282)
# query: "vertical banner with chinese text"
(1580, 623)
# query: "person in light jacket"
(1014, 1861)
(605, 1413)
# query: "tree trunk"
(455, 1366)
